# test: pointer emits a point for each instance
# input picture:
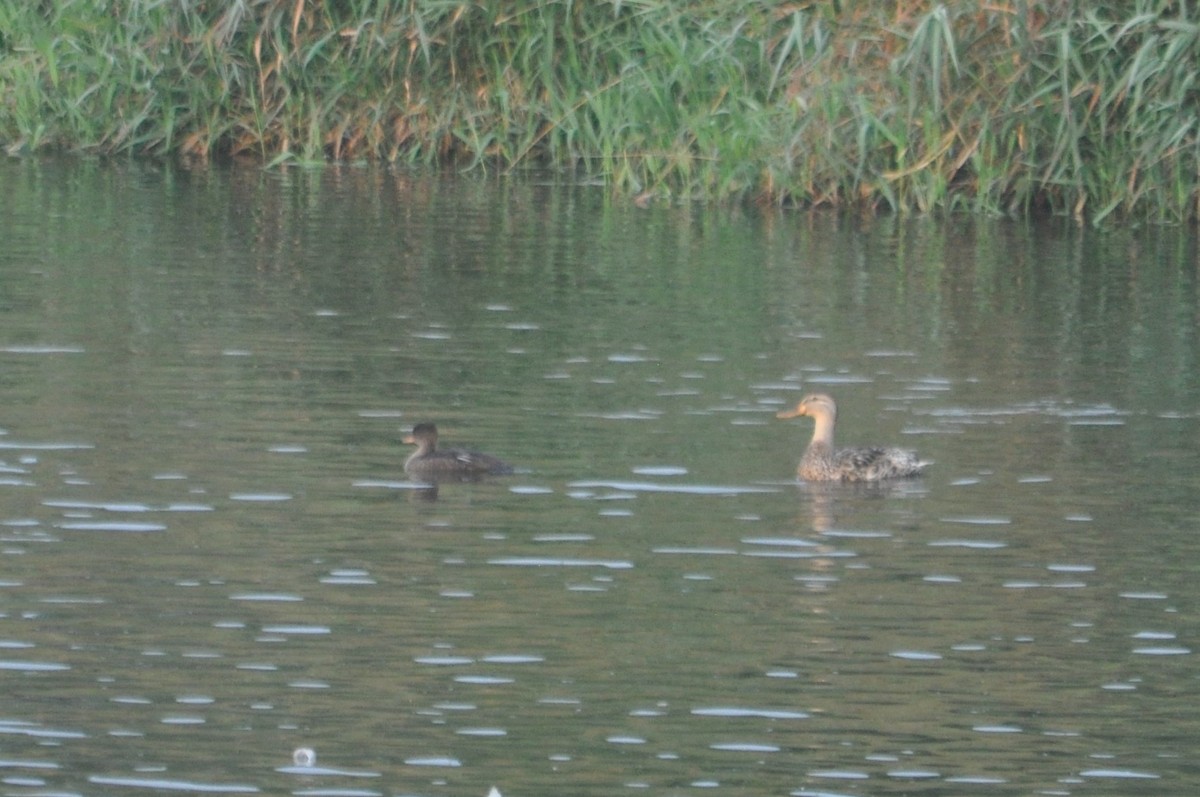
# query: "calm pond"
(212, 556)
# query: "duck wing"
(479, 462)
(873, 464)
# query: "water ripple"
(837, 774)
(514, 658)
(163, 784)
(543, 561)
(37, 731)
(281, 597)
(18, 446)
(32, 666)
(913, 774)
(444, 661)
(433, 761)
(696, 551)
(978, 521)
(811, 793)
(297, 629)
(119, 506)
(96, 525)
(42, 348)
(739, 711)
(655, 487)
(744, 747)
(260, 497)
(779, 541)
(660, 470)
(1119, 773)
(915, 655)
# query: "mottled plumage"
(428, 461)
(822, 462)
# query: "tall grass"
(1021, 106)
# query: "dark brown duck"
(429, 461)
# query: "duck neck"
(823, 431)
(424, 449)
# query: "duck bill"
(785, 414)
(409, 440)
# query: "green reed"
(1031, 106)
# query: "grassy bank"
(1088, 109)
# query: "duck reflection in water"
(830, 502)
(434, 465)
